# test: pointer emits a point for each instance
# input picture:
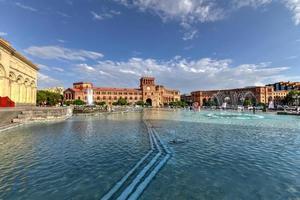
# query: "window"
(115, 98)
(98, 98)
(109, 97)
(120, 93)
(103, 92)
(135, 98)
(130, 98)
(115, 93)
(108, 92)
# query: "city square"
(126, 100)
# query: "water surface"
(225, 155)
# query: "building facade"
(279, 86)
(262, 94)
(18, 76)
(148, 92)
(59, 90)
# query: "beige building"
(261, 94)
(148, 92)
(18, 76)
(59, 90)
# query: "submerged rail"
(134, 182)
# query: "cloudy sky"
(185, 44)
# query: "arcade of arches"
(18, 76)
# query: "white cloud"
(44, 67)
(58, 69)
(61, 41)
(25, 7)
(47, 81)
(3, 34)
(63, 14)
(181, 73)
(86, 68)
(105, 14)
(190, 34)
(47, 68)
(190, 12)
(251, 3)
(291, 57)
(58, 52)
(294, 6)
(186, 12)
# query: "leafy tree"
(247, 102)
(289, 99)
(48, 98)
(140, 103)
(178, 104)
(78, 102)
(121, 102)
(101, 103)
(41, 98)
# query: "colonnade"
(18, 89)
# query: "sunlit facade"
(18, 76)
(148, 92)
(261, 94)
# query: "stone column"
(15, 91)
(3, 86)
(21, 93)
(29, 95)
(34, 95)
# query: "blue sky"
(185, 44)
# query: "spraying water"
(90, 97)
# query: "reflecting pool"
(223, 155)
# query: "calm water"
(225, 155)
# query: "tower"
(147, 85)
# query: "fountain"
(226, 99)
(271, 105)
(90, 100)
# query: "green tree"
(178, 104)
(101, 103)
(78, 102)
(289, 99)
(121, 102)
(140, 103)
(41, 98)
(247, 102)
(48, 98)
